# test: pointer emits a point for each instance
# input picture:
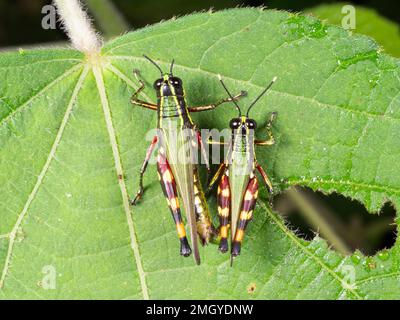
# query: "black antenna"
(230, 95)
(157, 66)
(261, 94)
(172, 66)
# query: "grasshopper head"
(167, 84)
(243, 124)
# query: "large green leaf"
(368, 22)
(68, 131)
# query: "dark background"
(20, 20)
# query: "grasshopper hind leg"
(223, 199)
(168, 186)
(246, 214)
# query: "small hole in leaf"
(345, 223)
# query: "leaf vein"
(41, 176)
(119, 172)
(296, 241)
(158, 35)
(227, 36)
(21, 107)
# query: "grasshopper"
(178, 141)
(238, 186)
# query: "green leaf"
(368, 22)
(68, 131)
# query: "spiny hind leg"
(139, 194)
(224, 203)
(168, 186)
(246, 214)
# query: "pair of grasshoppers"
(178, 141)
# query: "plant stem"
(108, 18)
(78, 26)
(317, 221)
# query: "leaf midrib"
(248, 82)
(330, 180)
(120, 175)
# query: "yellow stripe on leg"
(173, 203)
(224, 232)
(181, 230)
(223, 212)
(239, 235)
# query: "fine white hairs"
(78, 26)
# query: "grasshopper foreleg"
(217, 104)
(134, 98)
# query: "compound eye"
(251, 124)
(234, 123)
(175, 81)
(157, 84)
